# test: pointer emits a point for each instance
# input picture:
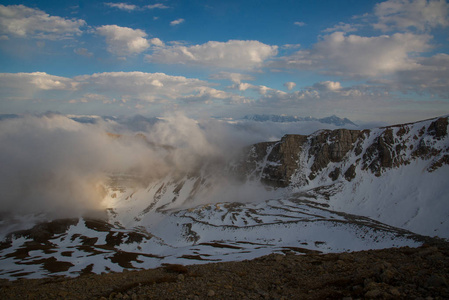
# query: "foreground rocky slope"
(403, 273)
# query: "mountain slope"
(332, 191)
(377, 173)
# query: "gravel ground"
(398, 273)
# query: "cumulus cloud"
(289, 85)
(122, 6)
(23, 21)
(126, 41)
(234, 54)
(358, 56)
(177, 22)
(156, 42)
(418, 14)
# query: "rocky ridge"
(298, 159)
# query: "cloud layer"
(58, 167)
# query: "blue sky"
(365, 60)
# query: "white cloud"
(176, 22)
(122, 6)
(289, 85)
(327, 86)
(234, 77)
(83, 52)
(157, 5)
(25, 85)
(291, 46)
(124, 40)
(140, 85)
(207, 95)
(405, 14)
(23, 21)
(341, 27)
(63, 165)
(132, 7)
(156, 42)
(133, 88)
(300, 24)
(431, 76)
(234, 54)
(261, 89)
(356, 56)
(155, 87)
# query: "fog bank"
(59, 165)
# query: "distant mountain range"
(139, 122)
(284, 119)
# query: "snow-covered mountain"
(396, 174)
(332, 191)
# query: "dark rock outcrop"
(283, 160)
(330, 146)
(438, 128)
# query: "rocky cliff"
(340, 154)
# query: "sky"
(364, 60)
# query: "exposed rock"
(330, 146)
(284, 159)
(335, 174)
(350, 173)
(379, 154)
(310, 157)
(438, 128)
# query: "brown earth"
(398, 273)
